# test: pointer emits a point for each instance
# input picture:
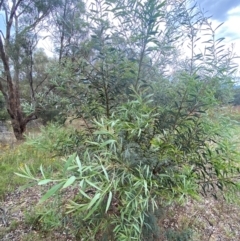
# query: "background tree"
(68, 29)
(21, 18)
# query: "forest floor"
(207, 220)
(21, 222)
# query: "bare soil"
(209, 219)
(13, 223)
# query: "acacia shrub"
(141, 158)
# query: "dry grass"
(79, 124)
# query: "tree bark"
(19, 124)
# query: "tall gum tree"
(21, 16)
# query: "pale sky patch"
(46, 44)
(231, 30)
(218, 9)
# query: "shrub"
(140, 159)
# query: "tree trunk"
(18, 129)
(18, 121)
(19, 124)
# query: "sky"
(219, 8)
(227, 11)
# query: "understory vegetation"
(114, 181)
(136, 122)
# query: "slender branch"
(10, 21)
(40, 83)
(30, 117)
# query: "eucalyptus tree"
(21, 18)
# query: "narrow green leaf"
(51, 192)
(79, 164)
(93, 143)
(145, 187)
(94, 200)
(69, 182)
(105, 143)
(45, 181)
(68, 162)
(102, 132)
(109, 201)
(41, 169)
(105, 172)
(93, 209)
(163, 175)
(92, 184)
(84, 194)
(21, 175)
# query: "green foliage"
(140, 51)
(39, 149)
(44, 218)
(11, 158)
(131, 166)
(3, 112)
(8, 164)
(57, 140)
(50, 114)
